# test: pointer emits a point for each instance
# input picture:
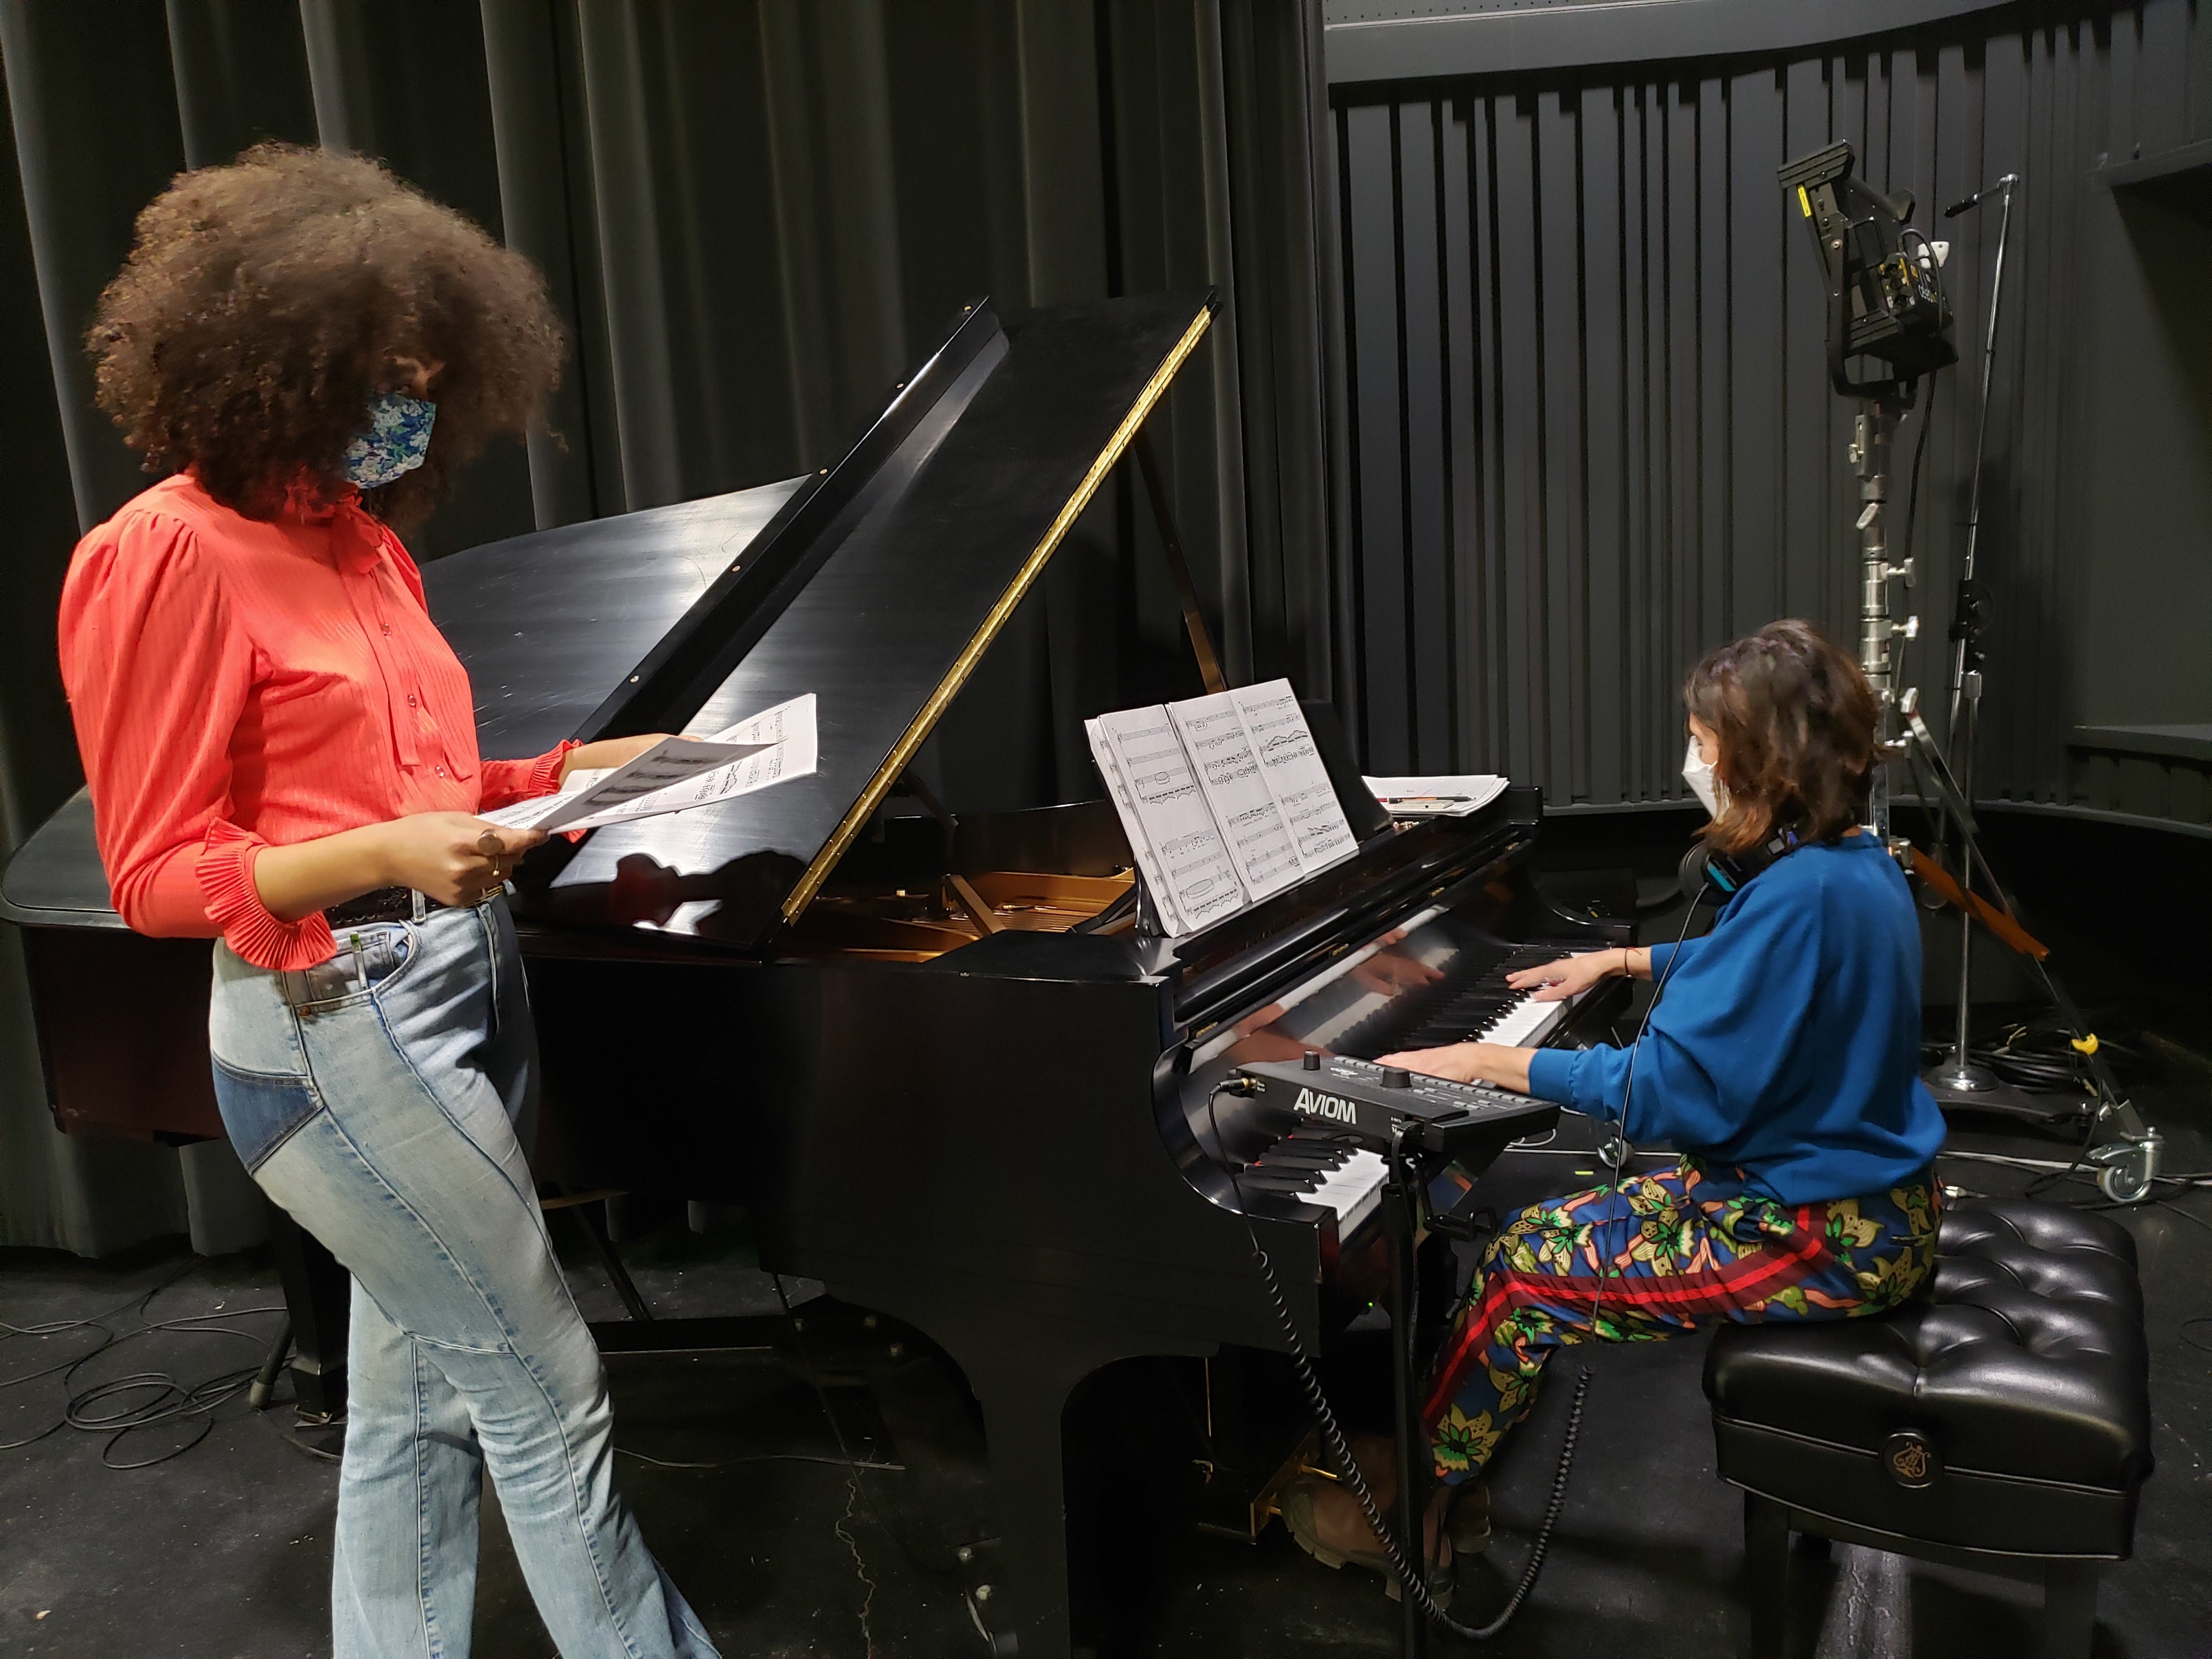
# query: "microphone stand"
(2122, 1149)
(2125, 1152)
(1957, 1074)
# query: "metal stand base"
(1994, 1095)
(1963, 1079)
(2127, 1150)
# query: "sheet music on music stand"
(1445, 795)
(1224, 798)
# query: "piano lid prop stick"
(1194, 619)
(978, 910)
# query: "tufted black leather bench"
(2004, 1417)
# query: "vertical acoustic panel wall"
(1590, 429)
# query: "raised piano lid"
(891, 579)
(547, 624)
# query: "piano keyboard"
(1317, 1170)
(1527, 1022)
(1486, 1010)
(1338, 1013)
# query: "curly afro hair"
(266, 303)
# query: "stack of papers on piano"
(678, 774)
(1224, 798)
(1446, 795)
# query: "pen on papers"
(1422, 797)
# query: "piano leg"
(318, 1295)
(1022, 1369)
(1022, 1417)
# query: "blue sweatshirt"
(1787, 1043)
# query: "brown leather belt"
(384, 904)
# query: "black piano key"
(1305, 1157)
(1254, 1181)
(1452, 1027)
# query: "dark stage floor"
(222, 1553)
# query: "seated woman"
(1782, 1060)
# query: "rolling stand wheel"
(2130, 1167)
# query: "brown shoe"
(1296, 1506)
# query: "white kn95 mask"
(1698, 773)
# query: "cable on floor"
(119, 1406)
(294, 1441)
(2038, 1054)
(854, 1497)
(765, 1457)
(2052, 1167)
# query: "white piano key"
(1528, 1022)
(1352, 1190)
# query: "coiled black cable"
(1413, 1584)
(1412, 1581)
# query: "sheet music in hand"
(678, 774)
(1224, 800)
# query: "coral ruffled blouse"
(238, 684)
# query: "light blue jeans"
(377, 1097)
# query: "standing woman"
(282, 753)
(1781, 1062)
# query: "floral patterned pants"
(1659, 1255)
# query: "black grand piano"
(944, 1063)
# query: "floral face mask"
(397, 437)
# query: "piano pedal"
(1266, 1502)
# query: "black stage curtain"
(756, 215)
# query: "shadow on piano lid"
(908, 889)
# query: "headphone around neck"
(1705, 871)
